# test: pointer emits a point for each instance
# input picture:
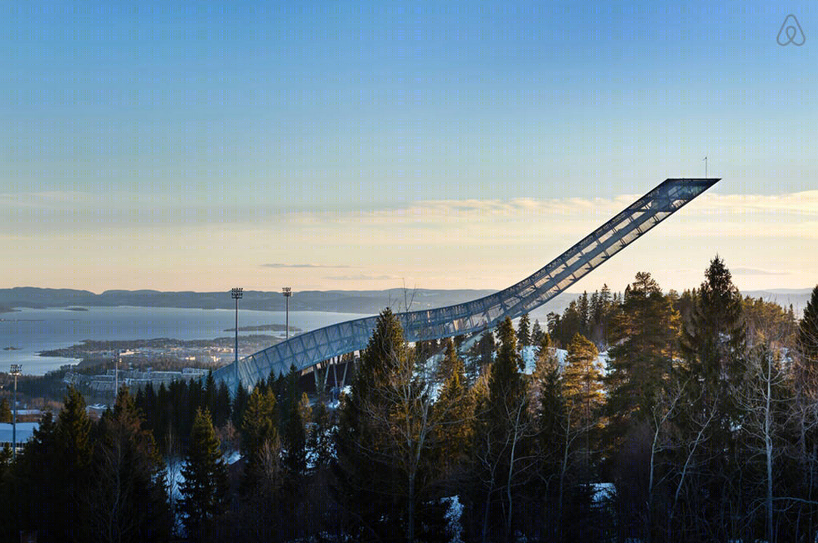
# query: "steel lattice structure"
(306, 350)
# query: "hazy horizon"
(573, 291)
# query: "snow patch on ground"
(174, 480)
(453, 515)
(602, 493)
(232, 458)
(529, 355)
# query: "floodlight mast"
(16, 370)
(236, 294)
(287, 292)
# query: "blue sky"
(144, 141)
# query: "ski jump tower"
(311, 348)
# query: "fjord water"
(35, 330)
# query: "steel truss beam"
(306, 350)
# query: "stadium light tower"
(287, 292)
(236, 294)
(16, 369)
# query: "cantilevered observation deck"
(306, 350)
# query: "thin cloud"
(361, 277)
(281, 265)
(55, 199)
(755, 271)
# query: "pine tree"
(127, 500)
(264, 475)
(523, 331)
(386, 440)
(260, 425)
(583, 388)
(204, 490)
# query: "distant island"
(76, 309)
(212, 352)
(265, 328)
(367, 302)
(12, 348)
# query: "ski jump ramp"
(311, 348)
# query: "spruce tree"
(503, 426)
(548, 411)
(563, 329)
(73, 433)
(5, 458)
(72, 447)
(366, 478)
(239, 405)
(807, 340)
(584, 313)
(523, 331)
(645, 337)
(546, 386)
(536, 333)
(41, 499)
(713, 339)
(320, 437)
(505, 382)
(204, 490)
(295, 441)
(209, 395)
(295, 438)
(453, 412)
(713, 348)
(485, 349)
(221, 408)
